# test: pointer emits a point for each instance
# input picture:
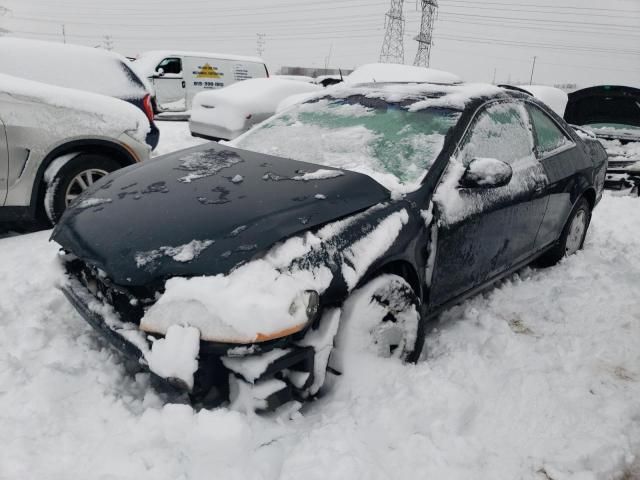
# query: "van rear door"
(209, 73)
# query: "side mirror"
(486, 173)
(160, 72)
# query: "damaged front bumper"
(287, 372)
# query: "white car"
(55, 142)
(226, 113)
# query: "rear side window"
(501, 131)
(548, 136)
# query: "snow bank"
(71, 66)
(541, 374)
(389, 72)
(555, 98)
(112, 116)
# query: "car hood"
(604, 104)
(203, 210)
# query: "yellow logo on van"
(207, 71)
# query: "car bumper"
(211, 380)
(212, 132)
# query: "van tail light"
(147, 107)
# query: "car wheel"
(573, 235)
(382, 317)
(72, 179)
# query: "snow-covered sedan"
(346, 223)
(228, 112)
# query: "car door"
(169, 84)
(4, 164)
(563, 163)
(483, 232)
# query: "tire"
(68, 181)
(572, 237)
(381, 317)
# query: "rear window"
(70, 66)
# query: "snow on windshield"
(385, 141)
(71, 66)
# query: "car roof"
(422, 95)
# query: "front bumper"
(618, 177)
(212, 379)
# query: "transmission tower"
(429, 13)
(393, 45)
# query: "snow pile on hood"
(389, 72)
(231, 106)
(252, 303)
(72, 66)
(555, 98)
(115, 116)
(225, 307)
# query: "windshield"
(384, 140)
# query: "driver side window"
(500, 132)
(170, 65)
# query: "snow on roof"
(148, 61)
(256, 95)
(423, 95)
(389, 72)
(119, 116)
(71, 66)
(555, 98)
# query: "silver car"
(55, 142)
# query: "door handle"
(184, 84)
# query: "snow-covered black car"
(612, 114)
(236, 272)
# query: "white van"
(178, 76)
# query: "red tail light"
(147, 107)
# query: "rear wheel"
(573, 235)
(72, 179)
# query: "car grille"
(128, 303)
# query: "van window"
(170, 65)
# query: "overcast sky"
(575, 41)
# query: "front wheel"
(572, 237)
(72, 179)
(381, 317)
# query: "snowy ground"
(538, 378)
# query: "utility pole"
(64, 34)
(393, 44)
(495, 70)
(260, 42)
(424, 38)
(327, 59)
(107, 43)
(4, 11)
(533, 67)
